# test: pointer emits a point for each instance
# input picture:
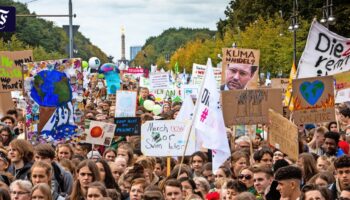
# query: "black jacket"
(20, 173)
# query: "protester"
(289, 181)
(21, 154)
(342, 169)
(172, 190)
(41, 172)
(62, 180)
(41, 191)
(86, 172)
(310, 192)
(331, 145)
(96, 190)
(20, 190)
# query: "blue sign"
(7, 19)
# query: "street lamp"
(293, 27)
(327, 14)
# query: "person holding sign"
(238, 75)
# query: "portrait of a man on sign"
(238, 75)
(239, 68)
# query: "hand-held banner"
(325, 53)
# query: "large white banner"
(325, 53)
(166, 138)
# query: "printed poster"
(100, 133)
(240, 68)
(342, 87)
(159, 81)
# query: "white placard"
(159, 81)
(198, 72)
(166, 138)
(125, 103)
(189, 90)
(100, 133)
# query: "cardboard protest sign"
(342, 86)
(283, 135)
(100, 133)
(127, 126)
(325, 53)
(250, 106)
(313, 100)
(166, 138)
(198, 72)
(55, 105)
(239, 68)
(11, 69)
(6, 103)
(159, 81)
(281, 83)
(126, 102)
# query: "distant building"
(133, 51)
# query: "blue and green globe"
(51, 89)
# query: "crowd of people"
(255, 170)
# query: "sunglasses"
(246, 176)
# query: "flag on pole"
(209, 122)
(176, 68)
(186, 111)
(288, 99)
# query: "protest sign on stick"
(313, 100)
(166, 138)
(283, 135)
(250, 106)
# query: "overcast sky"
(101, 20)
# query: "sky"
(101, 20)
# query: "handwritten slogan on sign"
(250, 106)
(11, 69)
(166, 138)
(314, 100)
(128, 126)
(326, 53)
(239, 68)
(159, 81)
(283, 134)
(125, 103)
